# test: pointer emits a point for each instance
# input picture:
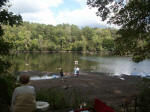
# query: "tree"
(6, 18)
(88, 32)
(66, 37)
(133, 17)
(6, 85)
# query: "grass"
(62, 99)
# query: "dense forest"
(63, 37)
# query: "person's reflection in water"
(24, 97)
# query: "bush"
(60, 98)
(7, 85)
(144, 96)
(54, 97)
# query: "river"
(87, 63)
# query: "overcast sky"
(57, 12)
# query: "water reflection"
(88, 63)
(49, 62)
(120, 65)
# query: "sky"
(57, 12)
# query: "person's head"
(24, 79)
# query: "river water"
(87, 63)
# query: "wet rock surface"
(110, 89)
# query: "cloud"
(82, 2)
(81, 17)
(28, 6)
(39, 11)
(43, 17)
(35, 10)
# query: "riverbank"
(112, 90)
(105, 53)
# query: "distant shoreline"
(83, 52)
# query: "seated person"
(24, 97)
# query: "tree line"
(63, 37)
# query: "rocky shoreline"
(112, 90)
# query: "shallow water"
(44, 77)
(50, 62)
(120, 65)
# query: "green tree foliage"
(6, 81)
(63, 37)
(6, 18)
(133, 17)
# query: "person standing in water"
(77, 71)
(61, 73)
